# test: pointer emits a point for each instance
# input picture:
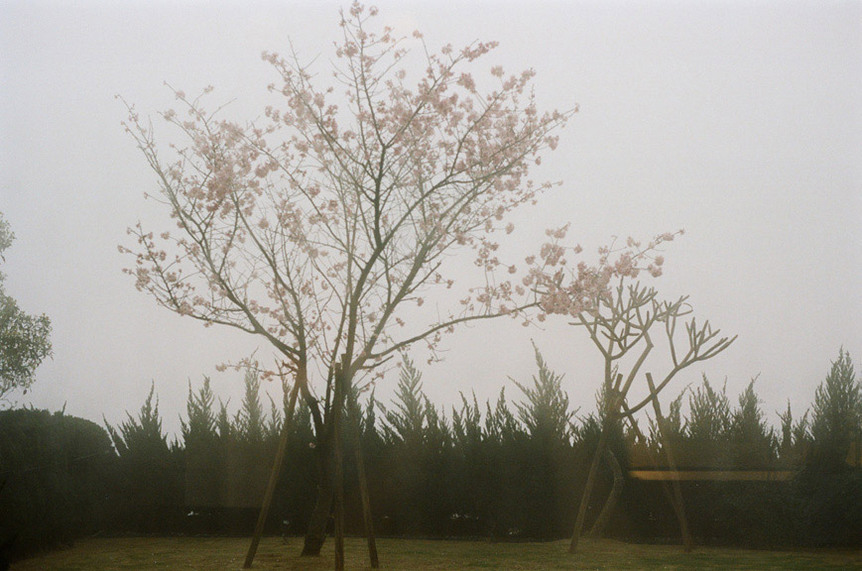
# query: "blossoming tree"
(325, 228)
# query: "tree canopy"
(24, 339)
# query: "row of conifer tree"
(504, 470)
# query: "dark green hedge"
(57, 473)
(492, 470)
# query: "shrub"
(55, 472)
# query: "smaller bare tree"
(620, 321)
(620, 325)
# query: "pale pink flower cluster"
(581, 287)
(313, 228)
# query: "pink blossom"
(278, 219)
(466, 81)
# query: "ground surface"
(401, 554)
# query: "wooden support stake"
(665, 487)
(363, 489)
(338, 404)
(273, 478)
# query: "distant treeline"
(500, 470)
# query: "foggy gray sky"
(738, 121)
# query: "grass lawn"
(404, 554)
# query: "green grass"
(403, 554)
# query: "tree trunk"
(315, 535)
(588, 490)
(676, 497)
(616, 400)
(608, 509)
